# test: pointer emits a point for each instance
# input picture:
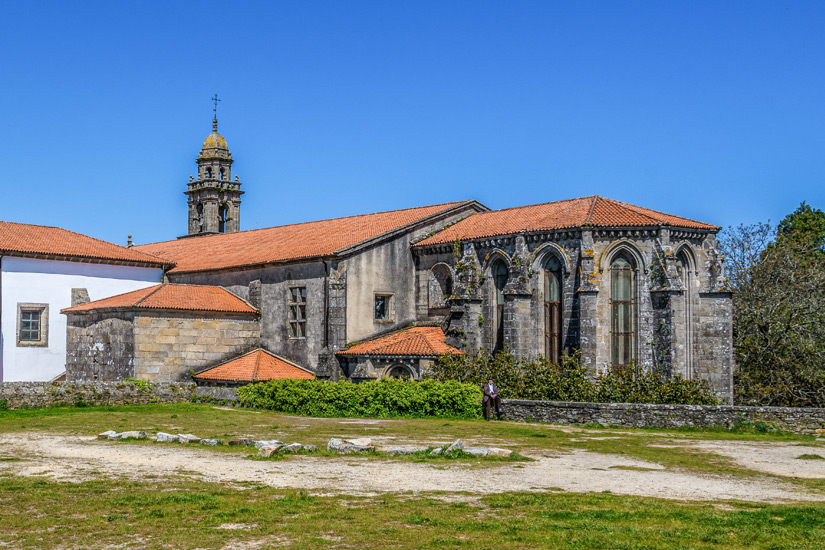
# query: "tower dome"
(215, 144)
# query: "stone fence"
(797, 420)
(20, 395)
(16, 395)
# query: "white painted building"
(39, 269)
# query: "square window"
(32, 325)
(297, 312)
(383, 307)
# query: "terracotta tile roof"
(586, 211)
(418, 341)
(41, 240)
(286, 242)
(258, 365)
(171, 296)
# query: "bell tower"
(214, 199)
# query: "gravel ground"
(72, 458)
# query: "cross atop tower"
(215, 100)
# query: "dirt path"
(78, 458)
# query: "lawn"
(39, 512)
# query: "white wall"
(26, 280)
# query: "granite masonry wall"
(29, 395)
(797, 420)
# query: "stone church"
(383, 294)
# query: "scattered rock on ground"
(496, 451)
(164, 437)
(457, 445)
(347, 446)
(188, 438)
(393, 451)
(437, 451)
(211, 442)
(269, 450)
(241, 443)
(268, 443)
(106, 434)
(477, 451)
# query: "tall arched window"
(500, 276)
(209, 173)
(623, 306)
(552, 309)
(222, 219)
(220, 175)
(683, 269)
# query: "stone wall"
(168, 346)
(24, 395)
(162, 346)
(797, 420)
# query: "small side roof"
(591, 211)
(294, 242)
(256, 366)
(415, 341)
(171, 296)
(22, 239)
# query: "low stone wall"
(21, 395)
(797, 420)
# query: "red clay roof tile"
(416, 341)
(255, 366)
(27, 239)
(171, 296)
(586, 211)
(286, 242)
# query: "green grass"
(43, 514)
(810, 457)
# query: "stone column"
(335, 324)
(519, 324)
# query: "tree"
(779, 309)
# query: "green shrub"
(383, 399)
(569, 380)
(4, 405)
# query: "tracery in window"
(298, 312)
(622, 303)
(552, 309)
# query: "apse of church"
(214, 198)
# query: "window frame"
(43, 310)
(389, 307)
(630, 305)
(296, 328)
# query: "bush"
(569, 380)
(383, 399)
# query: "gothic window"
(220, 175)
(222, 219)
(552, 309)
(209, 173)
(622, 304)
(298, 312)
(683, 269)
(500, 276)
(383, 307)
(32, 325)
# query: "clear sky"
(710, 110)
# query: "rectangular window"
(383, 307)
(32, 325)
(298, 312)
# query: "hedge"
(382, 399)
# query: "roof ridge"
(257, 368)
(247, 231)
(156, 289)
(537, 204)
(589, 218)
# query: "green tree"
(779, 309)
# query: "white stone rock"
(477, 451)
(188, 438)
(457, 445)
(114, 436)
(269, 450)
(211, 442)
(106, 434)
(268, 443)
(346, 446)
(164, 437)
(362, 442)
(437, 451)
(134, 434)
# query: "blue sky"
(710, 110)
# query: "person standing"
(491, 399)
